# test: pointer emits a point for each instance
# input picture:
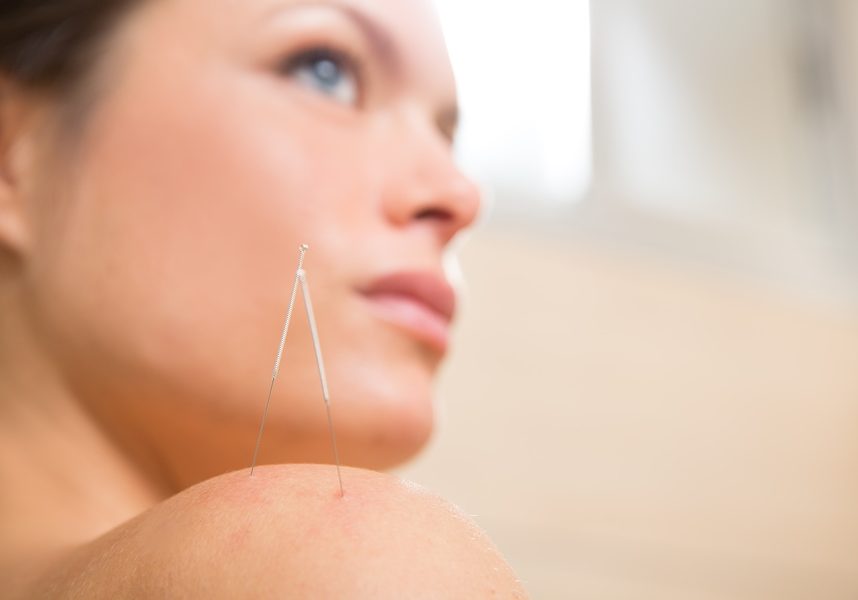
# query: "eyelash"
(341, 58)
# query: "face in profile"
(224, 134)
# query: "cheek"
(180, 236)
(174, 258)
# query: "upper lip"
(427, 288)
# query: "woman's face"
(228, 133)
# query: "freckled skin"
(287, 533)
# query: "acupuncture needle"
(320, 365)
(301, 251)
(301, 278)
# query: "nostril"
(435, 214)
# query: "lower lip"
(413, 316)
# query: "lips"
(422, 303)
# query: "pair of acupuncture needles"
(301, 279)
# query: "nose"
(426, 190)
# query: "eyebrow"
(382, 43)
(446, 119)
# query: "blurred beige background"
(629, 428)
(654, 390)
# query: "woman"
(160, 163)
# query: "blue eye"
(326, 72)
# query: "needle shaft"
(308, 305)
(301, 278)
(277, 360)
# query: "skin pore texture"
(146, 256)
(286, 533)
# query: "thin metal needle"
(302, 249)
(308, 305)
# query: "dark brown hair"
(51, 45)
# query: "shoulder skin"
(286, 532)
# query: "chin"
(383, 404)
(377, 427)
(388, 435)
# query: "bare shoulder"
(287, 533)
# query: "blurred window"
(524, 82)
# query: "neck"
(63, 481)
